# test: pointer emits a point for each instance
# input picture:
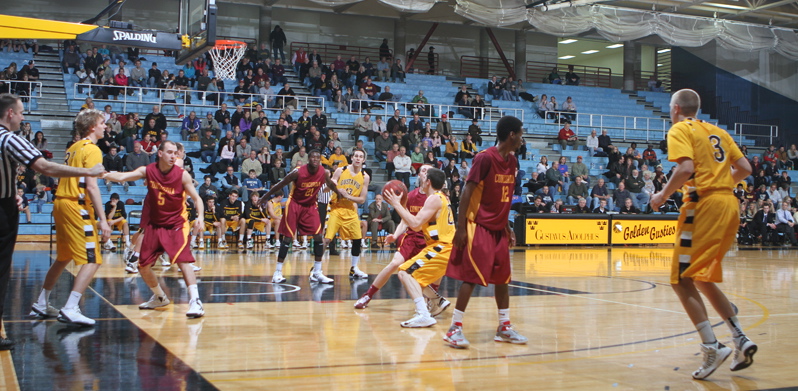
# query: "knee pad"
(285, 244)
(356, 247)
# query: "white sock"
(504, 316)
(193, 292)
(73, 301)
(136, 254)
(127, 239)
(240, 237)
(44, 297)
(280, 267)
(705, 331)
(158, 291)
(421, 306)
(355, 260)
(734, 326)
(457, 317)
(193, 238)
(317, 266)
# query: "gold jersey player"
(436, 221)
(709, 164)
(301, 215)
(344, 217)
(167, 229)
(76, 210)
(410, 242)
(481, 253)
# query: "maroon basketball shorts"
(173, 242)
(299, 220)
(485, 259)
(410, 245)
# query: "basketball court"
(596, 318)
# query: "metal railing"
(655, 128)
(758, 132)
(538, 72)
(329, 51)
(149, 95)
(421, 65)
(386, 109)
(34, 90)
(483, 67)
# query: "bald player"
(708, 165)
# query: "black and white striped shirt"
(14, 150)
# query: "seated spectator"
(252, 183)
(605, 141)
(650, 156)
(190, 128)
(569, 107)
(364, 126)
(416, 159)
(555, 179)
(571, 78)
(287, 95)
(389, 166)
(113, 162)
(467, 148)
(397, 72)
(420, 105)
(71, 59)
(40, 143)
(782, 160)
(784, 181)
(379, 217)
(602, 208)
(230, 181)
(430, 159)
(621, 194)
(577, 191)
(581, 207)
(543, 106)
(300, 158)
(322, 87)
(635, 183)
(117, 219)
(24, 207)
(774, 193)
(592, 143)
(208, 147)
(242, 151)
(765, 224)
(567, 136)
(554, 77)
(628, 208)
(228, 154)
(785, 223)
(383, 69)
(135, 159)
(452, 151)
(149, 147)
(403, 165)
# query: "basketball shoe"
(154, 303)
(278, 277)
(74, 316)
(455, 338)
(296, 244)
(131, 267)
(165, 262)
(44, 311)
(744, 350)
(201, 245)
(194, 243)
(222, 244)
(250, 244)
(437, 306)
(318, 276)
(240, 245)
(505, 333)
(127, 253)
(195, 309)
(355, 272)
(362, 302)
(109, 245)
(714, 355)
(419, 320)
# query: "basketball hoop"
(225, 55)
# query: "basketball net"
(225, 55)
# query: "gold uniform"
(711, 210)
(343, 216)
(73, 212)
(254, 215)
(429, 265)
(277, 207)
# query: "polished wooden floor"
(596, 318)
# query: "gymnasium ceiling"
(781, 13)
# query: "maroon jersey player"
(301, 215)
(167, 226)
(481, 253)
(409, 243)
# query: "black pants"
(9, 224)
(322, 213)
(789, 233)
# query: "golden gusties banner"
(643, 231)
(567, 231)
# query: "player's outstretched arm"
(430, 209)
(61, 171)
(199, 206)
(681, 174)
(400, 229)
(330, 183)
(291, 177)
(119, 176)
(462, 219)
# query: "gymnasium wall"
(730, 97)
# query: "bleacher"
(439, 91)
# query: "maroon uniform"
(167, 227)
(485, 259)
(301, 210)
(412, 242)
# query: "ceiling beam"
(764, 7)
(343, 8)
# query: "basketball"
(397, 187)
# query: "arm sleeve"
(21, 150)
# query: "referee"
(15, 150)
